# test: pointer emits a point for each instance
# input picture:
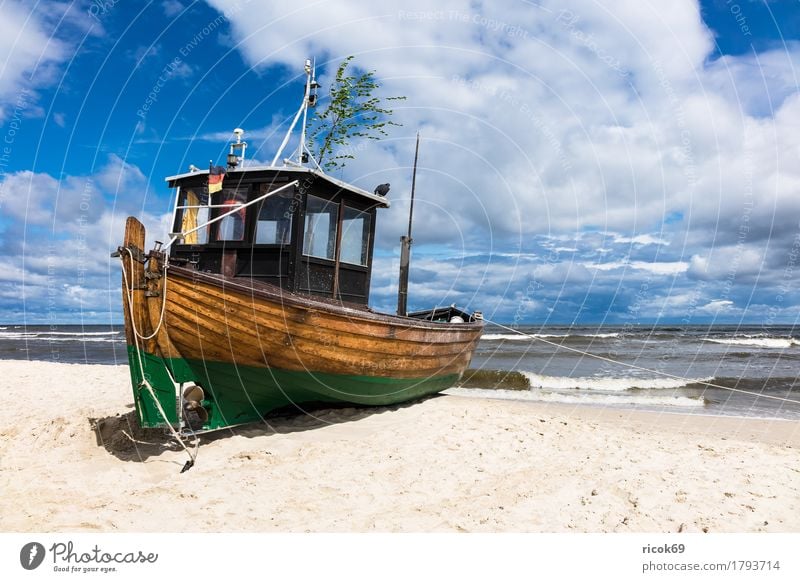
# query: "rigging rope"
(641, 368)
(145, 381)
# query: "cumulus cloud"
(726, 263)
(172, 8)
(651, 267)
(640, 239)
(56, 237)
(118, 176)
(717, 305)
(524, 111)
(35, 40)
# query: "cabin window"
(355, 236)
(231, 228)
(193, 212)
(319, 237)
(275, 220)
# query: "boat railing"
(238, 207)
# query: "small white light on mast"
(236, 155)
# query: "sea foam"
(757, 342)
(609, 384)
(530, 336)
(597, 399)
(60, 336)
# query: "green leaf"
(353, 112)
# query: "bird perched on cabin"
(382, 189)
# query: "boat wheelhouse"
(304, 231)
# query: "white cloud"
(731, 262)
(38, 199)
(61, 235)
(518, 104)
(717, 305)
(640, 239)
(141, 53)
(34, 43)
(657, 268)
(172, 8)
(757, 83)
(562, 273)
(181, 71)
(119, 177)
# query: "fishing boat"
(259, 300)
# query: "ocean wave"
(757, 342)
(516, 337)
(609, 384)
(504, 336)
(558, 397)
(770, 385)
(82, 334)
(641, 400)
(36, 337)
(47, 334)
(101, 340)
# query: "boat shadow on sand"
(123, 438)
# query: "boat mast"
(405, 245)
(310, 73)
(309, 100)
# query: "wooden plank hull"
(253, 348)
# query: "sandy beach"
(448, 464)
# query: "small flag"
(215, 177)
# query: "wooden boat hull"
(254, 348)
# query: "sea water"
(665, 368)
(82, 344)
(654, 368)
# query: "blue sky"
(615, 162)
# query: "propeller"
(198, 409)
(193, 393)
(196, 415)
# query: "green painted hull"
(241, 394)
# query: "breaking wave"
(530, 336)
(560, 397)
(609, 384)
(61, 336)
(758, 342)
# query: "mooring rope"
(163, 302)
(145, 381)
(641, 368)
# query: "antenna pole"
(413, 188)
(405, 245)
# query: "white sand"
(445, 464)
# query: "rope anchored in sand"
(145, 383)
